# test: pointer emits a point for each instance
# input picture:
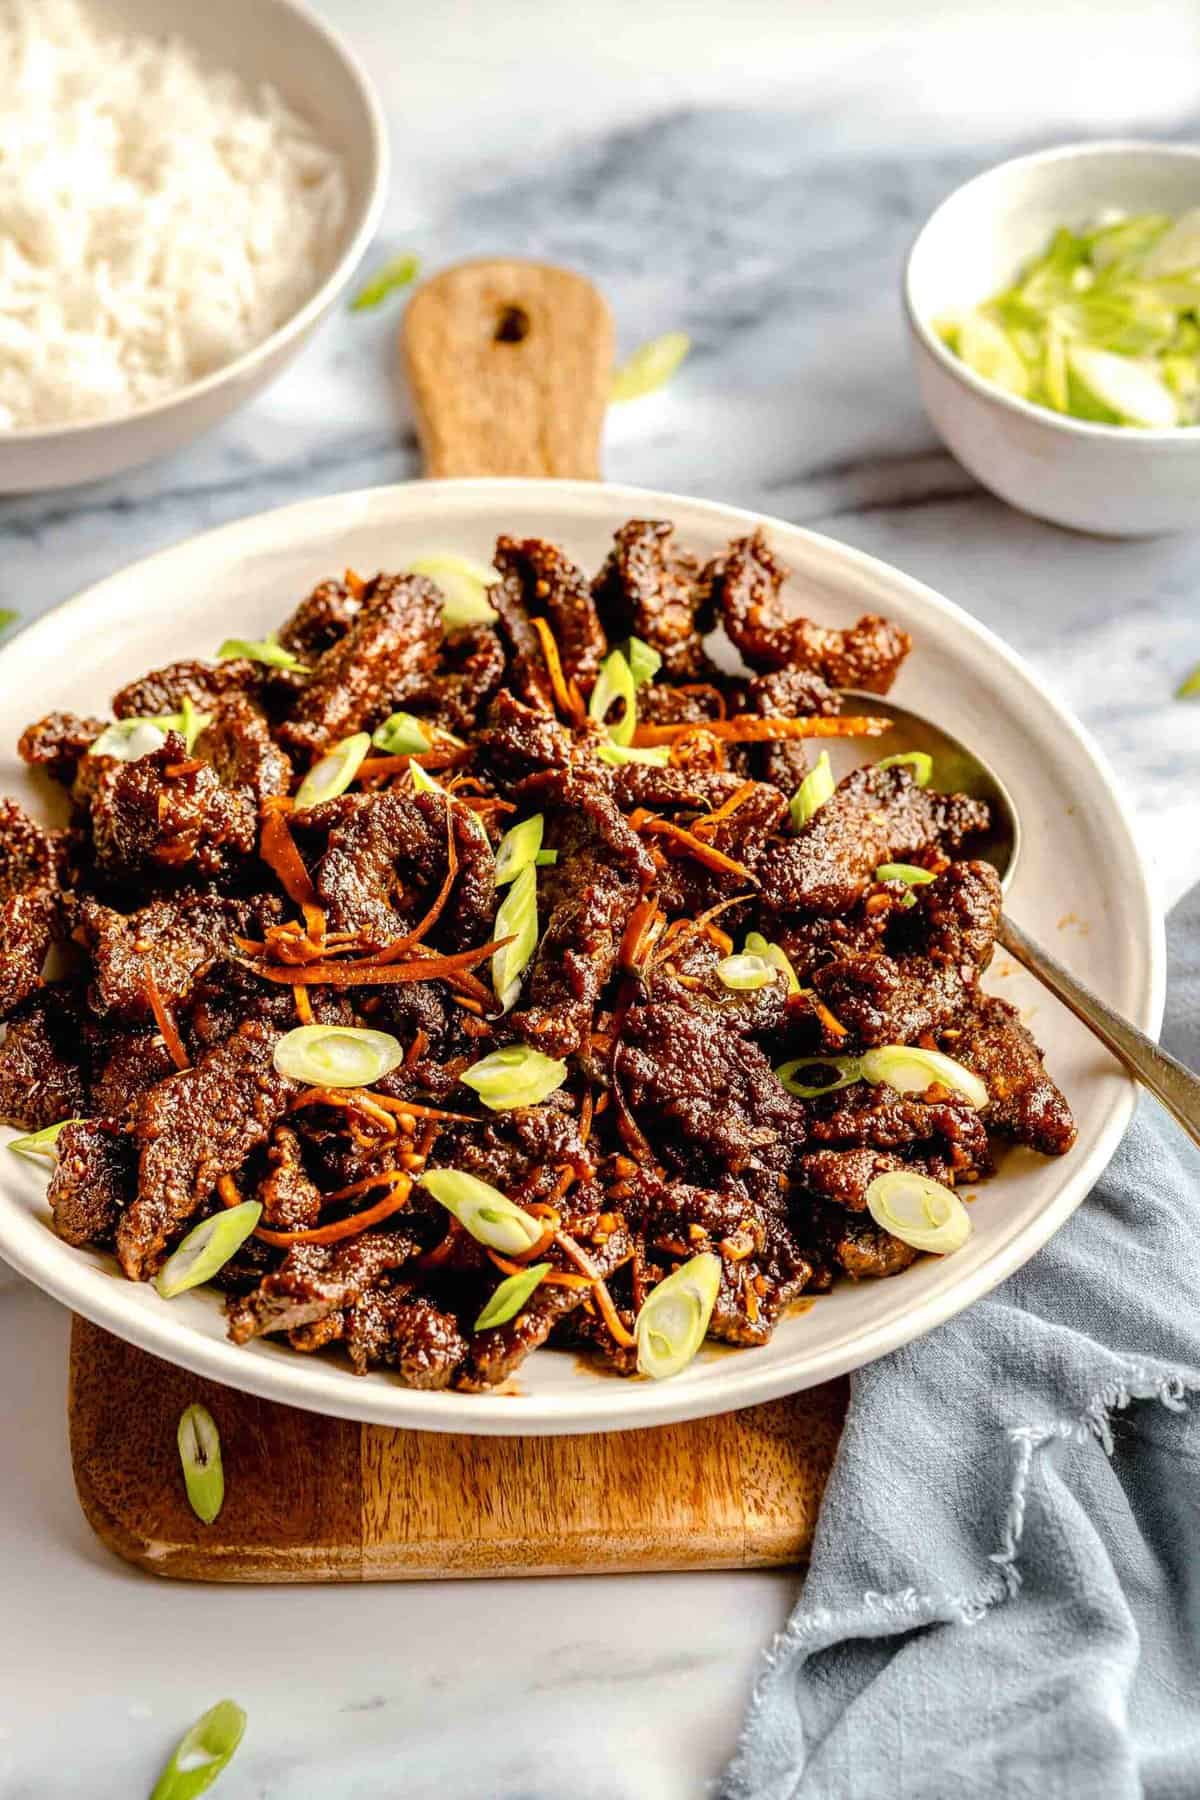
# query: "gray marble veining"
(773, 230)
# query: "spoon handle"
(1178, 1088)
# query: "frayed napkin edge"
(883, 1614)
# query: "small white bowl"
(276, 41)
(1115, 480)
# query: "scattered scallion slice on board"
(464, 584)
(207, 1248)
(334, 772)
(489, 1216)
(919, 1211)
(1189, 687)
(202, 1753)
(615, 683)
(757, 945)
(337, 1055)
(264, 650)
(813, 792)
(745, 973)
(845, 1070)
(508, 1299)
(911, 1070)
(129, 740)
(517, 918)
(673, 1320)
(919, 761)
(518, 848)
(643, 659)
(401, 734)
(658, 756)
(650, 367)
(200, 1455)
(394, 275)
(514, 1076)
(43, 1144)
(7, 617)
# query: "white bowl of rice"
(184, 192)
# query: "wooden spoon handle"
(509, 364)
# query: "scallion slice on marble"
(202, 1753)
(650, 367)
(394, 275)
(1189, 687)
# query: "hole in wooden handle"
(512, 327)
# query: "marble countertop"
(752, 175)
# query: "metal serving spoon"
(960, 771)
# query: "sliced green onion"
(264, 650)
(201, 1755)
(920, 761)
(1190, 686)
(1130, 392)
(187, 722)
(1174, 249)
(464, 584)
(402, 735)
(757, 945)
(489, 1216)
(129, 740)
(42, 1145)
(207, 1249)
(200, 1453)
(518, 848)
(337, 1055)
(988, 349)
(334, 772)
(517, 918)
(511, 1296)
(911, 1070)
(919, 1211)
(658, 756)
(643, 659)
(545, 859)
(910, 874)
(7, 617)
(816, 788)
(615, 682)
(389, 279)
(744, 973)
(847, 1070)
(423, 782)
(650, 367)
(673, 1321)
(514, 1076)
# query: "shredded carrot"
(417, 1048)
(445, 756)
(349, 1098)
(277, 847)
(747, 728)
(705, 853)
(304, 1011)
(184, 768)
(827, 1019)
(392, 1201)
(603, 1298)
(164, 1020)
(552, 1278)
(586, 1115)
(400, 946)
(569, 704)
(413, 1111)
(364, 1186)
(227, 1188)
(637, 931)
(355, 583)
(711, 820)
(371, 972)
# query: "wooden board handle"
(509, 364)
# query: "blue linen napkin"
(1004, 1596)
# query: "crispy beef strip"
(290, 1198)
(392, 643)
(124, 1066)
(193, 1128)
(866, 1252)
(537, 580)
(688, 978)
(315, 1280)
(320, 620)
(586, 898)
(386, 858)
(168, 813)
(1025, 1104)
(94, 1179)
(650, 589)
(175, 939)
(31, 907)
(521, 1151)
(241, 749)
(745, 586)
(41, 1079)
(875, 816)
(405, 1331)
(786, 694)
(899, 999)
(165, 690)
(884, 1119)
(469, 670)
(518, 738)
(58, 743)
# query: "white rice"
(158, 218)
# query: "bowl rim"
(1173, 437)
(307, 315)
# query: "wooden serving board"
(509, 365)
